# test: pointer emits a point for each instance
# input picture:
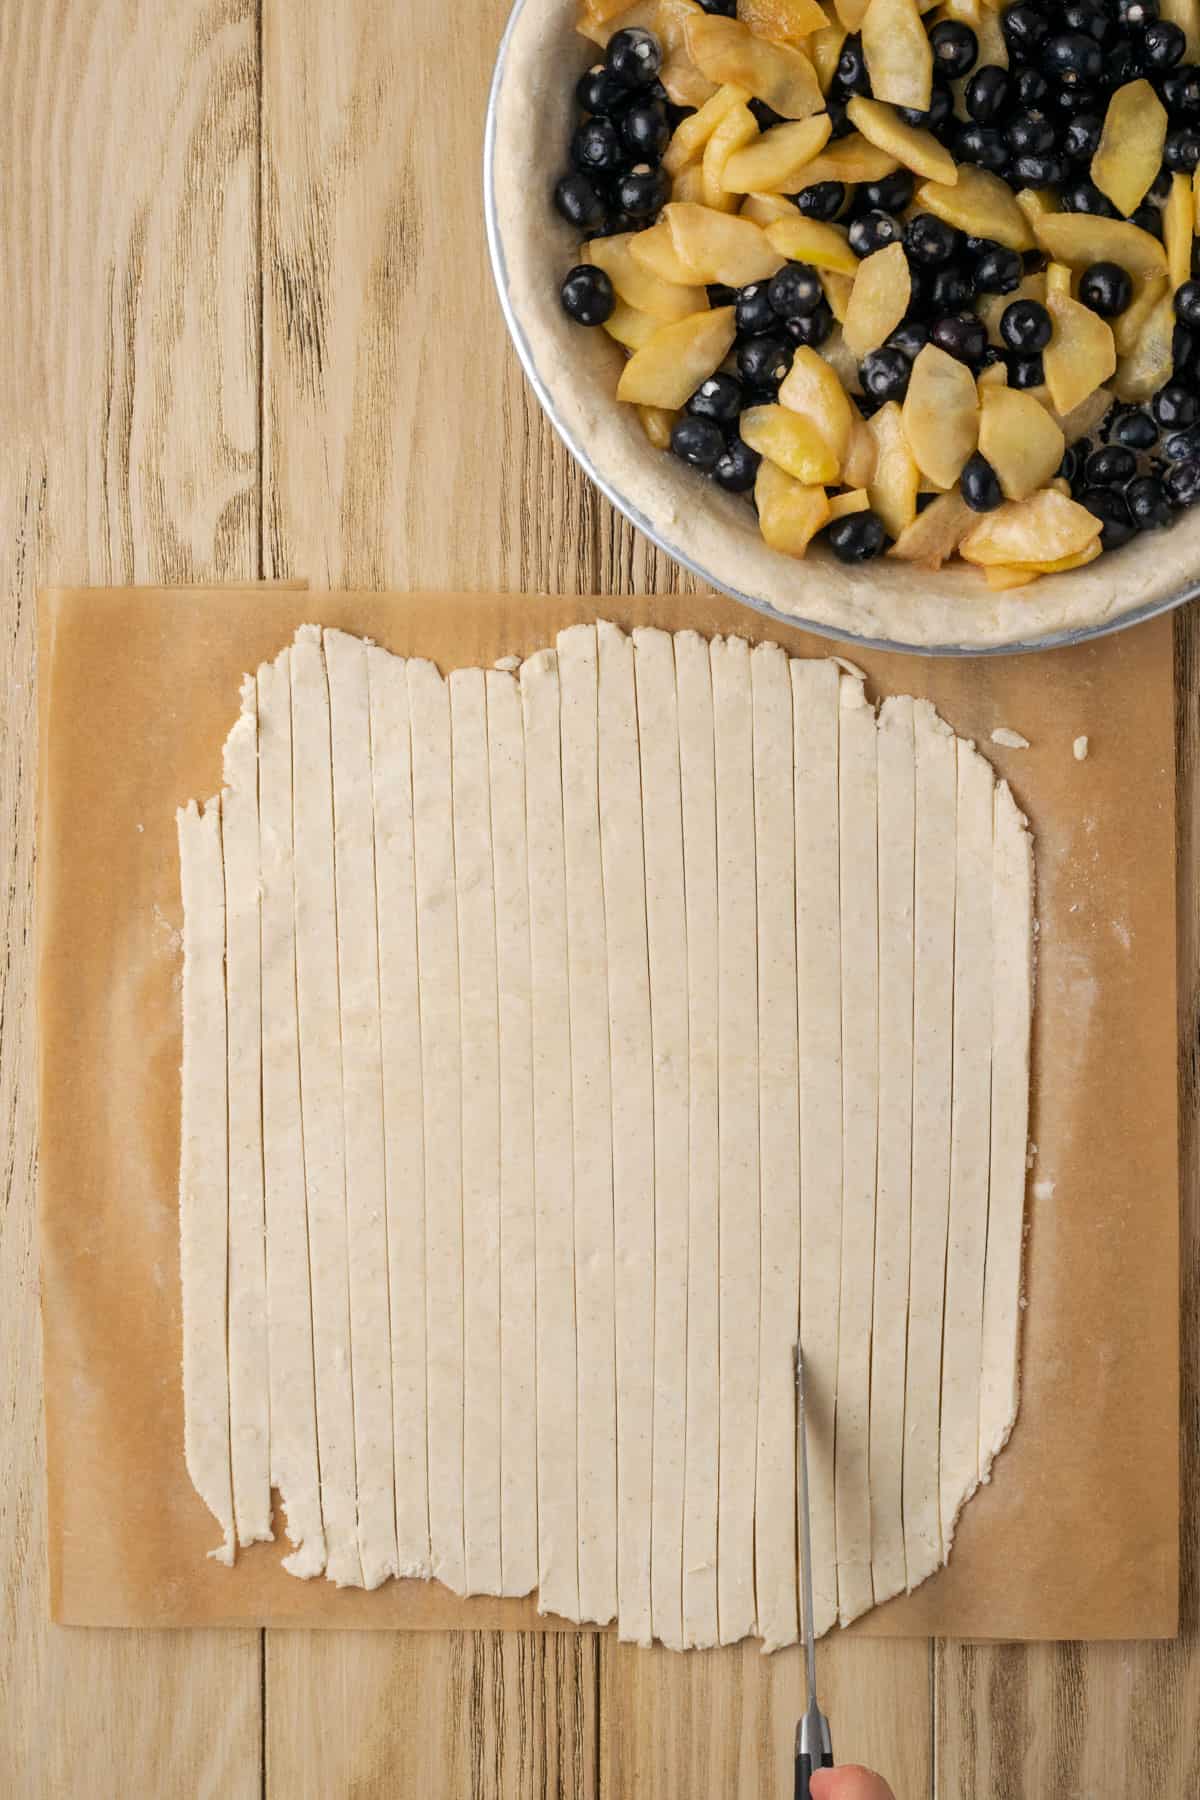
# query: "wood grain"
(129, 393)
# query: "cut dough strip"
(518, 1381)
(480, 1040)
(737, 964)
(321, 1101)
(203, 1168)
(249, 1380)
(294, 1467)
(591, 1127)
(666, 930)
(557, 1454)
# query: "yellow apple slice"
(1041, 529)
(995, 375)
(837, 290)
(812, 389)
(789, 513)
(1185, 14)
(935, 534)
(738, 128)
(1083, 419)
(630, 327)
(1177, 218)
(941, 415)
(791, 441)
(766, 209)
(851, 13)
(808, 240)
(643, 15)
(825, 48)
(879, 299)
(1001, 576)
(1058, 279)
(1019, 439)
(1129, 154)
(1128, 326)
(898, 53)
(981, 205)
(668, 369)
(1081, 354)
(854, 500)
(665, 300)
(1150, 362)
(691, 134)
(727, 51)
(689, 184)
(720, 246)
(1085, 238)
(918, 150)
(656, 423)
(893, 487)
(862, 454)
(1034, 202)
(850, 160)
(783, 21)
(654, 251)
(771, 164)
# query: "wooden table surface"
(246, 330)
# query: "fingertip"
(849, 1782)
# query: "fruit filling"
(916, 280)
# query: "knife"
(814, 1746)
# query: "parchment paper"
(1077, 1535)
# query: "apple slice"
(878, 300)
(982, 205)
(941, 415)
(1177, 219)
(738, 128)
(825, 49)
(1128, 326)
(1040, 529)
(850, 160)
(643, 15)
(995, 375)
(668, 369)
(1014, 575)
(691, 134)
(654, 251)
(1019, 439)
(1035, 202)
(936, 533)
(812, 389)
(789, 513)
(665, 300)
(727, 51)
(783, 21)
(893, 488)
(656, 423)
(854, 500)
(851, 13)
(771, 164)
(1150, 362)
(720, 247)
(807, 240)
(862, 454)
(837, 289)
(1129, 154)
(1081, 354)
(918, 150)
(1083, 419)
(766, 209)
(1085, 238)
(898, 53)
(791, 441)
(630, 327)
(1185, 14)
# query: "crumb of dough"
(1080, 749)
(850, 668)
(1043, 1190)
(507, 665)
(1011, 740)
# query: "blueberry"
(634, 57)
(765, 117)
(1187, 303)
(736, 467)
(1030, 134)
(929, 241)
(998, 270)
(696, 441)
(1181, 152)
(587, 295)
(1106, 288)
(1175, 407)
(1163, 45)
(1149, 504)
(811, 328)
(1039, 171)
(795, 291)
(949, 291)
(980, 485)
(1182, 446)
(1068, 468)
(1031, 88)
(596, 147)
(597, 92)
(719, 399)
(1132, 428)
(910, 338)
(643, 191)
(1184, 344)
(1085, 197)
(934, 116)
(955, 49)
(764, 361)
(987, 94)
(1089, 17)
(891, 194)
(982, 145)
(1180, 91)
(726, 8)
(824, 200)
(873, 231)
(1026, 372)
(1025, 326)
(1073, 58)
(1183, 482)
(851, 75)
(754, 313)
(1024, 28)
(1147, 218)
(1109, 507)
(646, 130)
(884, 374)
(1081, 139)
(579, 203)
(1137, 12)
(1111, 467)
(962, 336)
(857, 537)
(720, 295)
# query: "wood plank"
(128, 387)
(1016, 1722)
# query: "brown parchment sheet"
(1077, 1534)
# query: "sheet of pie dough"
(295, 1470)
(480, 1038)
(897, 849)
(815, 719)
(441, 1076)
(321, 1101)
(1012, 1012)
(632, 1123)
(775, 1551)
(858, 808)
(933, 1035)
(737, 1125)
(362, 1102)
(518, 1347)
(249, 1381)
(699, 807)
(557, 1461)
(203, 1168)
(591, 1125)
(666, 929)
(403, 1106)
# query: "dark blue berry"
(1109, 507)
(1132, 428)
(857, 537)
(824, 200)
(587, 295)
(764, 361)
(885, 373)
(1025, 326)
(643, 192)
(998, 270)
(1107, 288)
(754, 313)
(1149, 504)
(1183, 482)
(795, 291)
(719, 398)
(697, 442)
(634, 57)
(929, 241)
(580, 204)
(1112, 466)
(955, 49)
(736, 467)
(980, 484)
(987, 94)
(596, 147)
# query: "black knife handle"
(804, 1773)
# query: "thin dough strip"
(441, 1076)
(666, 927)
(518, 1341)
(897, 848)
(815, 712)
(403, 1121)
(321, 1100)
(779, 1140)
(970, 1136)
(737, 959)
(1012, 991)
(632, 1122)
(203, 1168)
(362, 1103)
(557, 1454)
(698, 785)
(591, 1121)
(480, 1040)
(294, 1467)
